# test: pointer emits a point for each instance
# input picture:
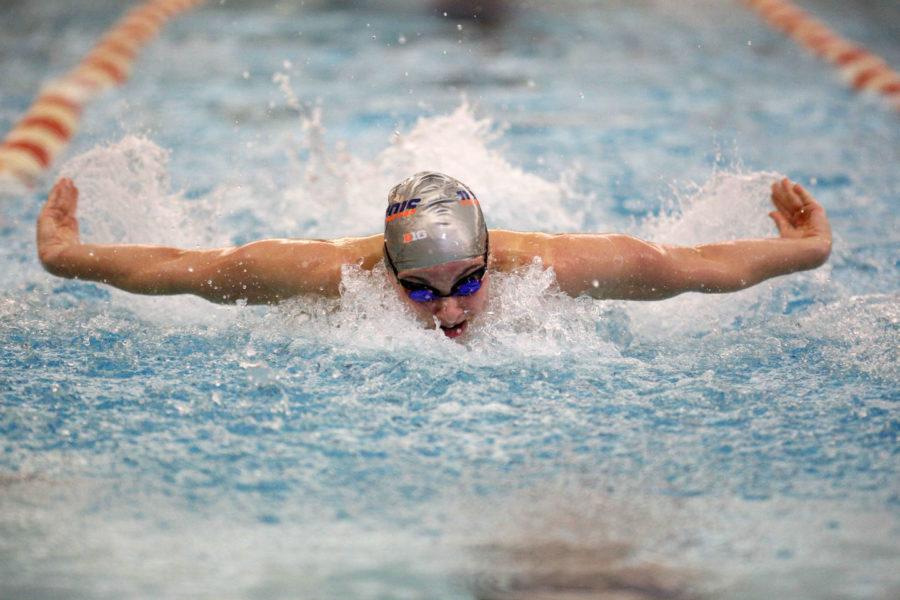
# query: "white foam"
(342, 194)
(857, 333)
(728, 206)
(526, 318)
(125, 197)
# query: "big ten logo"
(401, 209)
(466, 198)
(414, 236)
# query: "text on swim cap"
(412, 236)
(407, 208)
(466, 199)
(401, 209)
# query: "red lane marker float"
(117, 47)
(861, 69)
(107, 67)
(51, 121)
(60, 101)
(50, 124)
(37, 151)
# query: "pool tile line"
(863, 70)
(52, 120)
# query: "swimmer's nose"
(449, 310)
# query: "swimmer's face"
(452, 313)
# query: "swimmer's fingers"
(812, 218)
(779, 199)
(788, 205)
(57, 226)
(59, 212)
(785, 229)
(799, 214)
(808, 202)
(64, 196)
(792, 200)
(806, 211)
(785, 198)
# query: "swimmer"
(439, 256)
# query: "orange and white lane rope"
(863, 70)
(52, 119)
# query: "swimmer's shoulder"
(365, 251)
(513, 249)
(327, 255)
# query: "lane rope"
(862, 70)
(51, 121)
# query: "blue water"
(745, 446)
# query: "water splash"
(728, 206)
(124, 196)
(337, 184)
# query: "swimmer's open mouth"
(456, 330)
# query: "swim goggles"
(419, 292)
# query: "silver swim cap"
(432, 219)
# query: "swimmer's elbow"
(714, 277)
(54, 265)
(263, 272)
(672, 271)
(659, 273)
(226, 276)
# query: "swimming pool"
(165, 447)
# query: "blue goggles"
(420, 292)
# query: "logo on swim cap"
(413, 236)
(401, 209)
(466, 198)
(441, 214)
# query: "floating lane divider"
(51, 121)
(861, 69)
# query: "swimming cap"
(432, 219)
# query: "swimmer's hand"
(57, 227)
(799, 216)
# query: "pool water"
(737, 446)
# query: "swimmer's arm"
(623, 267)
(260, 272)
